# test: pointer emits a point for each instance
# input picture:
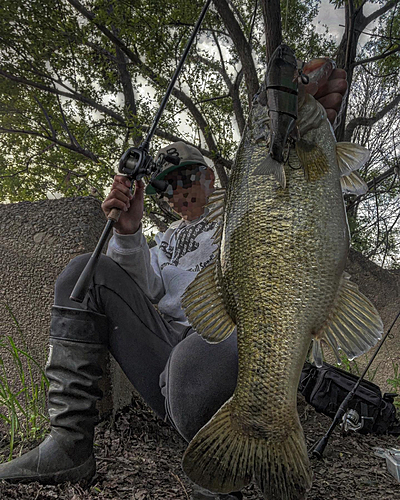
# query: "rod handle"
(85, 279)
(318, 451)
(82, 285)
(114, 214)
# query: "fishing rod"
(134, 163)
(319, 448)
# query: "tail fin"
(222, 458)
(271, 166)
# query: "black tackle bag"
(325, 388)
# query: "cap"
(188, 155)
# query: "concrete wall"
(37, 240)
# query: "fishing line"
(286, 15)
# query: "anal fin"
(204, 306)
(354, 325)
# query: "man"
(183, 378)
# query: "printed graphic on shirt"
(167, 249)
(193, 248)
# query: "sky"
(334, 18)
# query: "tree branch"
(46, 115)
(71, 95)
(71, 147)
(233, 89)
(372, 183)
(242, 46)
(158, 80)
(71, 136)
(380, 12)
(205, 152)
(368, 122)
(273, 27)
(375, 58)
(383, 239)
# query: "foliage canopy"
(80, 81)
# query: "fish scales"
(278, 278)
(274, 242)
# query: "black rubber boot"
(78, 343)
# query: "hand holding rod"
(318, 450)
(135, 163)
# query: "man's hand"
(327, 85)
(330, 95)
(131, 206)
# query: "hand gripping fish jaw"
(283, 99)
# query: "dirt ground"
(138, 458)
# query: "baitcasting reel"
(135, 163)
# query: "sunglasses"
(183, 178)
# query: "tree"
(372, 119)
(75, 87)
(81, 82)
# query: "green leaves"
(80, 81)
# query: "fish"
(277, 277)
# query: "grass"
(22, 399)
(395, 383)
(353, 367)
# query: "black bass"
(278, 277)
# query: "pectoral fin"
(354, 325)
(204, 306)
(313, 160)
(350, 157)
(271, 166)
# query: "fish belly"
(284, 253)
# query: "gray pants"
(184, 380)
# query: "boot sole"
(83, 472)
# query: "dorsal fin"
(216, 205)
(204, 306)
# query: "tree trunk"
(355, 23)
(273, 27)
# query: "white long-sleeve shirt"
(164, 271)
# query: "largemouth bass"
(278, 277)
